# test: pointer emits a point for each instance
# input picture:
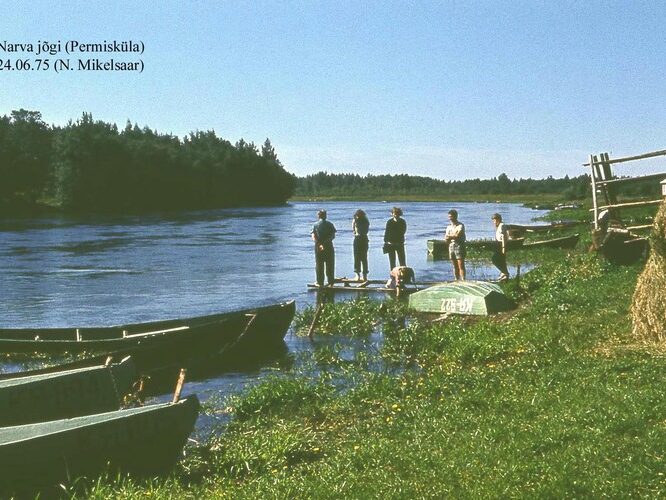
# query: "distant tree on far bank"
(350, 185)
(323, 184)
(92, 166)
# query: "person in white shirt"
(499, 254)
(454, 236)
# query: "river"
(105, 270)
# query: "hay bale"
(648, 307)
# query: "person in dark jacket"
(360, 227)
(394, 238)
(323, 233)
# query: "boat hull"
(206, 334)
(65, 394)
(439, 248)
(564, 242)
(140, 441)
(238, 342)
(461, 297)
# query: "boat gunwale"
(75, 423)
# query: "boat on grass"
(64, 394)
(478, 298)
(563, 242)
(143, 441)
(620, 246)
(440, 249)
(520, 229)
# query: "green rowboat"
(65, 394)
(439, 248)
(563, 242)
(141, 441)
(235, 339)
(205, 334)
(461, 297)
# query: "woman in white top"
(499, 255)
(454, 236)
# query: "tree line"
(323, 184)
(93, 166)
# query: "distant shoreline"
(468, 198)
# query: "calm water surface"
(82, 271)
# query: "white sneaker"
(503, 277)
(357, 277)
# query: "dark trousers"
(325, 259)
(499, 259)
(400, 251)
(361, 254)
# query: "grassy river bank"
(555, 399)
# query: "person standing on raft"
(323, 233)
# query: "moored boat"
(66, 393)
(461, 297)
(241, 336)
(204, 334)
(564, 242)
(141, 441)
(440, 249)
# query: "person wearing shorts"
(454, 236)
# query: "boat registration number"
(462, 305)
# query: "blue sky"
(448, 89)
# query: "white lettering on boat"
(463, 305)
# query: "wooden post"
(609, 190)
(179, 385)
(320, 306)
(518, 274)
(595, 213)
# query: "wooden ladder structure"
(604, 185)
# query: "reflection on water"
(104, 270)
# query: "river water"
(104, 270)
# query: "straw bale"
(648, 308)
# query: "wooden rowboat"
(535, 228)
(207, 334)
(440, 249)
(141, 441)
(564, 242)
(461, 297)
(621, 246)
(241, 335)
(65, 394)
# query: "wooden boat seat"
(153, 333)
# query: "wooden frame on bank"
(603, 182)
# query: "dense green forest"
(92, 166)
(324, 184)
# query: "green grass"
(553, 400)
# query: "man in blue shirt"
(323, 233)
